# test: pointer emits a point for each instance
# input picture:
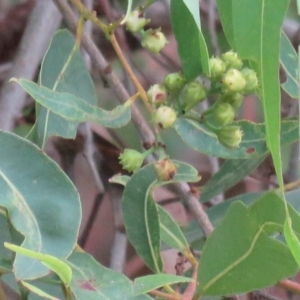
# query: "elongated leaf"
(230, 173)
(170, 231)
(63, 70)
(37, 291)
(290, 236)
(140, 212)
(255, 34)
(59, 267)
(148, 283)
(75, 109)
(253, 144)
(41, 202)
(191, 47)
(92, 281)
(289, 62)
(249, 257)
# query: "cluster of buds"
(228, 72)
(152, 39)
(159, 95)
(174, 86)
(232, 81)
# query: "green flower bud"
(217, 67)
(193, 94)
(230, 136)
(174, 82)
(157, 94)
(232, 60)
(136, 21)
(251, 79)
(235, 100)
(233, 81)
(154, 40)
(165, 170)
(221, 115)
(131, 160)
(165, 116)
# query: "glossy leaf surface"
(170, 232)
(217, 213)
(93, 281)
(250, 257)
(192, 48)
(63, 70)
(140, 212)
(37, 201)
(253, 144)
(72, 108)
(255, 35)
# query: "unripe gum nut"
(131, 160)
(165, 116)
(251, 79)
(136, 21)
(233, 81)
(232, 60)
(221, 115)
(217, 67)
(235, 100)
(154, 40)
(165, 170)
(230, 136)
(157, 94)
(193, 93)
(174, 82)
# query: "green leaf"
(289, 62)
(217, 213)
(230, 173)
(170, 231)
(140, 212)
(37, 291)
(192, 48)
(54, 264)
(250, 257)
(255, 35)
(75, 109)
(141, 217)
(41, 202)
(62, 70)
(92, 281)
(145, 284)
(253, 144)
(292, 239)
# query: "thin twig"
(289, 285)
(34, 43)
(144, 130)
(99, 61)
(196, 208)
